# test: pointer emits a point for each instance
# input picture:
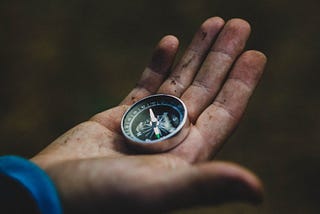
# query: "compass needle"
(154, 123)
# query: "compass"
(155, 123)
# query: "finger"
(218, 121)
(156, 71)
(205, 184)
(189, 64)
(208, 81)
(221, 182)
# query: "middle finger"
(211, 75)
(183, 74)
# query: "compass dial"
(153, 120)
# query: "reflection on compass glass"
(154, 118)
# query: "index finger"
(157, 70)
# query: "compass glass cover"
(154, 119)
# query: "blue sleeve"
(27, 188)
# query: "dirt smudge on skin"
(187, 63)
(204, 35)
(133, 99)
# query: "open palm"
(94, 169)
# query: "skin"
(95, 171)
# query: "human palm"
(94, 169)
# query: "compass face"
(154, 119)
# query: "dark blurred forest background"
(63, 61)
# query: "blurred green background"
(63, 61)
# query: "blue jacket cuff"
(34, 180)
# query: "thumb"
(215, 183)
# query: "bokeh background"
(63, 61)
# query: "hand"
(95, 171)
